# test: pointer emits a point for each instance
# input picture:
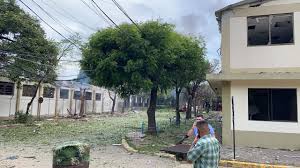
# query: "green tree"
(190, 64)
(131, 60)
(25, 51)
(198, 78)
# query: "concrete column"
(226, 110)
(57, 94)
(18, 97)
(103, 99)
(71, 95)
(94, 101)
(40, 89)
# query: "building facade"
(261, 71)
(58, 99)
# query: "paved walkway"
(259, 155)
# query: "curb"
(130, 149)
(224, 163)
(127, 147)
(238, 164)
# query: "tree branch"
(5, 38)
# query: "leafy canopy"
(130, 60)
(24, 49)
(189, 60)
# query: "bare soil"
(104, 157)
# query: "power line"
(96, 12)
(67, 14)
(54, 19)
(125, 13)
(105, 14)
(48, 24)
(34, 62)
(28, 54)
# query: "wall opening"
(272, 105)
(270, 29)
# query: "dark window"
(48, 92)
(64, 93)
(272, 29)
(98, 96)
(272, 104)
(282, 29)
(77, 95)
(258, 30)
(28, 90)
(7, 88)
(88, 95)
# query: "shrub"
(23, 118)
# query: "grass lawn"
(95, 130)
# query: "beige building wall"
(238, 57)
(256, 133)
(249, 57)
(239, 90)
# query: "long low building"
(58, 98)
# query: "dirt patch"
(106, 157)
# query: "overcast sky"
(190, 16)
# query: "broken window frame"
(64, 94)
(28, 90)
(77, 95)
(98, 97)
(270, 106)
(8, 88)
(270, 30)
(49, 92)
(88, 95)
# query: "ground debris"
(12, 157)
(29, 157)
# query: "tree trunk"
(189, 108)
(33, 97)
(114, 104)
(113, 99)
(195, 104)
(177, 106)
(151, 111)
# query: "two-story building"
(260, 51)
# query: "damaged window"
(64, 93)
(258, 30)
(29, 90)
(77, 95)
(272, 104)
(48, 92)
(6, 88)
(98, 96)
(88, 95)
(282, 29)
(272, 29)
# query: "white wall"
(239, 90)
(8, 103)
(277, 56)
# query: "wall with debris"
(239, 90)
(55, 103)
(243, 56)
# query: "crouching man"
(205, 153)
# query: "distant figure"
(205, 153)
(194, 130)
